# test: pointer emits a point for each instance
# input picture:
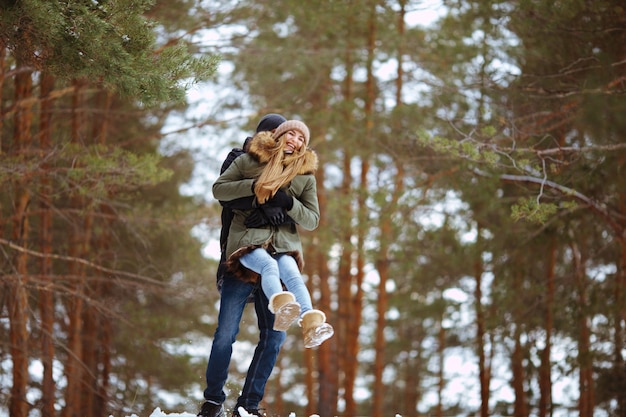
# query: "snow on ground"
(158, 413)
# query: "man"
(234, 296)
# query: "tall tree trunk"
(327, 353)
(517, 365)
(106, 328)
(383, 271)
(2, 76)
(441, 382)
(379, 343)
(620, 297)
(46, 298)
(585, 377)
(92, 318)
(411, 394)
(620, 366)
(484, 372)
(327, 378)
(87, 336)
(73, 365)
(344, 270)
(387, 237)
(545, 380)
(520, 408)
(17, 303)
(344, 283)
(18, 297)
(74, 362)
(89, 348)
(353, 330)
(309, 380)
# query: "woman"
(278, 170)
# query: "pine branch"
(594, 205)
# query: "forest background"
(472, 247)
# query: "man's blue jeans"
(234, 296)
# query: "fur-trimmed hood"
(262, 145)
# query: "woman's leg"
(261, 262)
(282, 304)
(291, 277)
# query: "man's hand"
(256, 219)
(281, 199)
(266, 214)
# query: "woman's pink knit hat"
(293, 125)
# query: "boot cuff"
(320, 312)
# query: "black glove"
(243, 203)
(281, 199)
(256, 219)
(275, 215)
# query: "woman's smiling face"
(294, 140)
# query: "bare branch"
(584, 149)
(554, 151)
(85, 262)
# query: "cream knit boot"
(285, 308)
(315, 329)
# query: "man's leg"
(233, 300)
(265, 355)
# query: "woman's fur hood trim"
(262, 145)
(246, 275)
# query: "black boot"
(249, 411)
(210, 409)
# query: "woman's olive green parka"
(236, 182)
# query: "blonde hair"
(279, 170)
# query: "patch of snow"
(158, 413)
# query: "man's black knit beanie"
(269, 122)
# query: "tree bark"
(46, 298)
(517, 360)
(18, 297)
(74, 362)
(441, 382)
(619, 365)
(344, 271)
(91, 342)
(586, 401)
(379, 342)
(484, 373)
(2, 76)
(89, 348)
(382, 263)
(106, 330)
(620, 297)
(517, 365)
(545, 380)
(17, 304)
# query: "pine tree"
(89, 81)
